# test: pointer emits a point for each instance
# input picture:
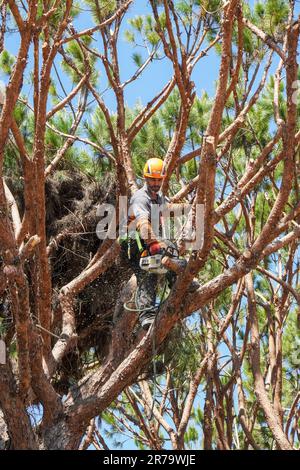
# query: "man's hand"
(156, 248)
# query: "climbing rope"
(162, 300)
(139, 309)
(154, 353)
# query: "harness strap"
(138, 241)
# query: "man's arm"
(140, 210)
(146, 232)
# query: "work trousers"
(147, 283)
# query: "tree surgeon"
(146, 239)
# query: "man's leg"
(146, 283)
(146, 297)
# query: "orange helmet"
(154, 168)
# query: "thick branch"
(260, 390)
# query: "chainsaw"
(153, 263)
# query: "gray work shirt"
(143, 205)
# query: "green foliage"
(55, 19)
(170, 111)
(199, 116)
(7, 61)
(76, 55)
(129, 36)
(137, 59)
(101, 9)
(142, 26)
(191, 436)
(183, 352)
(248, 41)
(53, 92)
(291, 342)
(262, 434)
(272, 13)
(137, 23)
(150, 142)
(97, 130)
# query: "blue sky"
(154, 77)
(152, 80)
(158, 73)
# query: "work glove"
(157, 248)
